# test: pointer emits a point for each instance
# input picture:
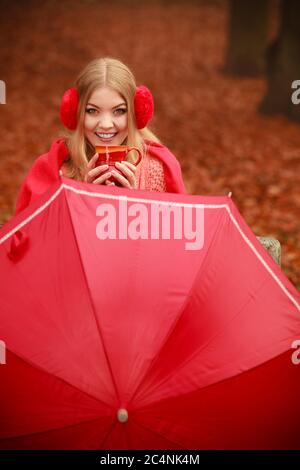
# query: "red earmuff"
(143, 107)
(68, 108)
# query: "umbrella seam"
(92, 305)
(104, 439)
(203, 347)
(69, 384)
(151, 201)
(22, 436)
(149, 429)
(206, 206)
(32, 216)
(252, 247)
(214, 384)
(179, 316)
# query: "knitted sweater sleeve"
(150, 175)
(155, 180)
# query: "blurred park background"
(220, 71)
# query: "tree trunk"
(248, 31)
(283, 64)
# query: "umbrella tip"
(122, 415)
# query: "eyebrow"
(100, 108)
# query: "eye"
(90, 110)
(121, 110)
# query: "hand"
(92, 172)
(127, 178)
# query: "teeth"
(105, 136)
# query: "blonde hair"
(103, 72)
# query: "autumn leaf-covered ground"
(207, 119)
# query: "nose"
(105, 122)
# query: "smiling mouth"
(105, 136)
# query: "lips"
(105, 137)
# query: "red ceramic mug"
(110, 154)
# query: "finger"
(96, 171)
(131, 166)
(128, 173)
(124, 181)
(90, 175)
(91, 163)
(125, 170)
(109, 183)
(102, 178)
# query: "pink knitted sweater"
(150, 174)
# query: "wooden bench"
(273, 247)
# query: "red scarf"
(45, 172)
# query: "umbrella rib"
(156, 433)
(233, 221)
(69, 384)
(93, 307)
(216, 384)
(173, 326)
(261, 259)
(183, 364)
(48, 431)
(101, 444)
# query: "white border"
(151, 201)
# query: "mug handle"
(139, 152)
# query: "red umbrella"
(129, 330)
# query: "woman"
(105, 108)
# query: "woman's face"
(106, 118)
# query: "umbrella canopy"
(140, 320)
